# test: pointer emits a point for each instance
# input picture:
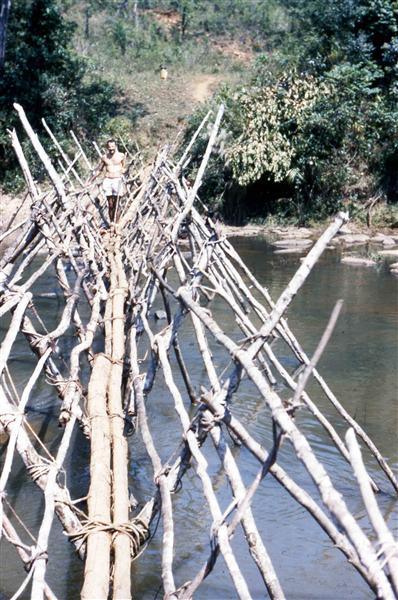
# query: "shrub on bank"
(317, 129)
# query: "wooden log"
(13, 330)
(83, 154)
(332, 499)
(66, 158)
(160, 475)
(17, 424)
(199, 176)
(222, 533)
(24, 552)
(296, 282)
(388, 546)
(292, 341)
(38, 470)
(97, 565)
(120, 492)
(72, 394)
(256, 545)
(55, 178)
(24, 164)
(298, 388)
(218, 407)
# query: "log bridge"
(163, 248)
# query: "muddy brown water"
(360, 365)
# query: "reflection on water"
(360, 366)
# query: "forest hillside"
(311, 90)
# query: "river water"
(360, 365)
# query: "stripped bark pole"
(298, 494)
(24, 164)
(297, 388)
(332, 499)
(126, 268)
(199, 176)
(24, 552)
(97, 565)
(388, 546)
(120, 493)
(159, 474)
(5, 473)
(38, 470)
(222, 533)
(285, 331)
(13, 229)
(13, 330)
(55, 178)
(296, 282)
(256, 546)
(51, 484)
(79, 146)
(65, 157)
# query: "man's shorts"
(112, 186)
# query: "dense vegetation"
(311, 124)
(317, 128)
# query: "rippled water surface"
(360, 365)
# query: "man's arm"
(97, 171)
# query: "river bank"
(360, 245)
(357, 244)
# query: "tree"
(44, 75)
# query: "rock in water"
(160, 315)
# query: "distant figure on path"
(163, 72)
(113, 162)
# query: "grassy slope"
(154, 110)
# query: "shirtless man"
(113, 162)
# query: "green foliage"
(318, 127)
(120, 35)
(47, 78)
(313, 126)
(272, 120)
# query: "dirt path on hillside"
(202, 86)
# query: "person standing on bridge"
(113, 165)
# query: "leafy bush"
(318, 127)
(272, 119)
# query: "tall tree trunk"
(184, 23)
(5, 6)
(135, 13)
(87, 15)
